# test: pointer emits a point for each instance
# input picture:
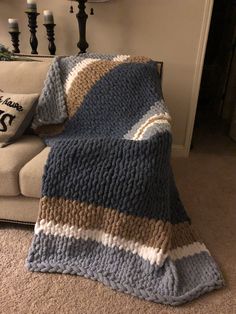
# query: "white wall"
(174, 31)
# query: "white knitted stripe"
(150, 122)
(153, 255)
(187, 250)
(156, 122)
(75, 70)
(121, 58)
(82, 65)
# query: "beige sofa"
(22, 163)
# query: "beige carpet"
(207, 182)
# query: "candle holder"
(15, 41)
(32, 20)
(82, 19)
(51, 38)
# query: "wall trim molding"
(197, 75)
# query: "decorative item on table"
(14, 32)
(49, 24)
(5, 54)
(32, 14)
(31, 6)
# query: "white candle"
(48, 17)
(31, 5)
(13, 25)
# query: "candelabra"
(32, 20)
(15, 41)
(51, 39)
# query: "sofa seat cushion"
(31, 174)
(19, 209)
(12, 158)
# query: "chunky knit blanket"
(110, 210)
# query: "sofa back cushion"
(23, 77)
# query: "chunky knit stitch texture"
(110, 210)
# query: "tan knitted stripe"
(84, 81)
(88, 77)
(150, 232)
(183, 234)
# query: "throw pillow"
(16, 113)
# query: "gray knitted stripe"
(68, 63)
(174, 283)
(157, 109)
(51, 108)
(93, 55)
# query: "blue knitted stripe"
(128, 176)
(96, 117)
(174, 283)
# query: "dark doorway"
(216, 110)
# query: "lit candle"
(31, 6)
(48, 17)
(13, 25)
